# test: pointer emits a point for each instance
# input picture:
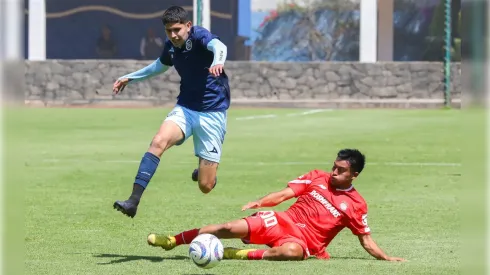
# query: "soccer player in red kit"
(327, 203)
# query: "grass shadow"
(352, 258)
(130, 258)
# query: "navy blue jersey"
(199, 89)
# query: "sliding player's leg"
(209, 134)
(231, 230)
(260, 228)
(276, 230)
(174, 131)
(288, 251)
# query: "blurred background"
(317, 30)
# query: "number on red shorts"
(269, 218)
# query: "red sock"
(256, 255)
(186, 237)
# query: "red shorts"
(273, 229)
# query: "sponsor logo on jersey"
(325, 203)
(173, 113)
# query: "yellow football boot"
(163, 241)
(236, 254)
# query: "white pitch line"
(310, 112)
(51, 160)
(422, 164)
(435, 164)
(123, 161)
(255, 117)
(316, 111)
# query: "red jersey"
(322, 211)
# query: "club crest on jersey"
(343, 206)
(188, 44)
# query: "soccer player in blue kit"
(199, 57)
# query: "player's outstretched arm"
(220, 51)
(373, 249)
(151, 70)
(271, 199)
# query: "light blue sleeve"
(151, 70)
(220, 51)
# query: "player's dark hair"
(355, 158)
(175, 14)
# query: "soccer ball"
(206, 251)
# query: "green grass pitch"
(82, 160)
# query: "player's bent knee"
(207, 175)
(206, 186)
(224, 229)
(227, 227)
(292, 252)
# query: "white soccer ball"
(206, 251)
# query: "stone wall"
(329, 85)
